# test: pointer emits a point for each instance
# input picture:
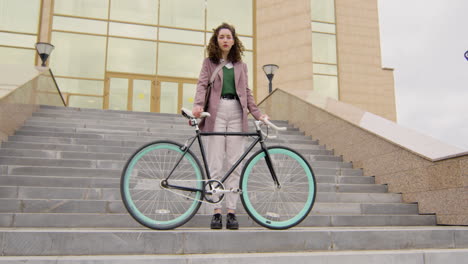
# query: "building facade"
(145, 55)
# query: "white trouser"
(223, 152)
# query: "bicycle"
(163, 183)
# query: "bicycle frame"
(258, 138)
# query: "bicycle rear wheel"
(278, 207)
(147, 201)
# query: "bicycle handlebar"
(188, 114)
(270, 124)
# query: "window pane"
(81, 86)
(85, 101)
(17, 40)
(323, 27)
(188, 95)
(325, 69)
(238, 14)
(246, 41)
(139, 11)
(183, 13)
(118, 94)
(133, 31)
(141, 95)
(15, 17)
(133, 56)
(323, 10)
(78, 55)
(169, 97)
(84, 8)
(248, 59)
(177, 35)
(180, 60)
(17, 56)
(324, 48)
(80, 25)
(326, 86)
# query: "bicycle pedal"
(239, 191)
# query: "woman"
(229, 104)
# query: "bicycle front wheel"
(273, 206)
(141, 185)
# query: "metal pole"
(270, 87)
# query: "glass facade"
(141, 43)
(155, 47)
(19, 29)
(324, 53)
(141, 55)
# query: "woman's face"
(225, 40)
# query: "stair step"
(99, 220)
(321, 179)
(29, 166)
(55, 154)
(133, 140)
(116, 206)
(98, 178)
(307, 153)
(128, 117)
(46, 242)
(48, 192)
(421, 256)
(149, 136)
(124, 126)
(117, 164)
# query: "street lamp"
(44, 50)
(269, 70)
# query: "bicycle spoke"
(147, 201)
(272, 206)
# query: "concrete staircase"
(60, 203)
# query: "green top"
(229, 85)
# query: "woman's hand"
(196, 111)
(264, 117)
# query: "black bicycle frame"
(258, 138)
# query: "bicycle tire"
(146, 200)
(272, 207)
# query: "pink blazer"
(243, 92)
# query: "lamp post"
(44, 49)
(270, 70)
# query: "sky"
(424, 41)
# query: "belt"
(229, 97)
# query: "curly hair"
(214, 51)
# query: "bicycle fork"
(269, 163)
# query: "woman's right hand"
(197, 110)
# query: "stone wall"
(440, 187)
(22, 89)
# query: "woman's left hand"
(264, 117)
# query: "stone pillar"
(284, 37)
(362, 80)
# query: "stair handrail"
(57, 86)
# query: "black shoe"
(232, 221)
(216, 221)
